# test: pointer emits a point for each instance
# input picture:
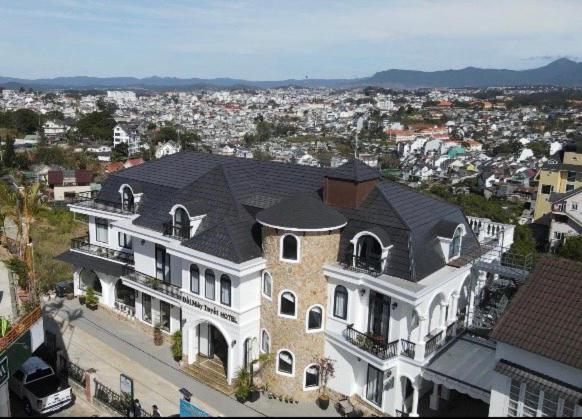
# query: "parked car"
(36, 383)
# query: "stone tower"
(300, 235)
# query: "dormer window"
(455, 246)
(127, 199)
(368, 253)
(181, 223)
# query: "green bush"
(18, 266)
(177, 345)
(242, 385)
(90, 297)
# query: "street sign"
(4, 372)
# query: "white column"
(454, 307)
(419, 344)
(443, 318)
(478, 282)
(434, 397)
(415, 395)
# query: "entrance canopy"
(466, 366)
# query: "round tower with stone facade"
(300, 235)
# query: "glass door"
(165, 309)
(375, 387)
(379, 316)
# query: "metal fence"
(118, 402)
(76, 373)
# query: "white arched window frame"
(315, 307)
(286, 356)
(308, 385)
(267, 285)
(187, 222)
(123, 189)
(448, 242)
(385, 250)
(298, 248)
(285, 294)
(341, 299)
(265, 341)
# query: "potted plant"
(91, 300)
(326, 371)
(82, 299)
(158, 336)
(177, 346)
(242, 389)
(263, 360)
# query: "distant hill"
(562, 72)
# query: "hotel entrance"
(210, 354)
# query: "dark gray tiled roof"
(232, 191)
(303, 211)
(355, 170)
(96, 264)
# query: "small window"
(340, 302)
(209, 284)
(547, 189)
(285, 362)
(181, 223)
(265, 342)
(287, 304)
(267, 285)
(312, 376)
(124, 240)
(195, 279)
(569, 187)
(290, 248)
(225, 289)
(571, 177)
(127, 201)
(455, 247)
(315, 319)
(101, 230)
(574, 206)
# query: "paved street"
(98, 340)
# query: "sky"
(281, 39)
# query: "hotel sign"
(210, 308)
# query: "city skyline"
(256, 40)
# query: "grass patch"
(51, 234)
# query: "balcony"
(374, 345)
(408, 349)
(433, 344)
(368, 265)
(87, 200)
(82, 244)
(152, 283)
(177, 232)
(18, 328)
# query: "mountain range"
(562, 72)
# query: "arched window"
(290, 248)
(194, 279)
(265, 342)
(287, 304)
(88, 278)
(225, 290)
(312, 376)
(248, 353)
(315, 319)
(127, 201)
(455, 249)
(369, 253)
(267, 285)
(340, 302)
(209, 284)
(181, 223)
(285, 362)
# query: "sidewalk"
(90, 342)
(97, 339)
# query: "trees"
(8, 154)
(572, 249)
(22, 207)
(96, 125)
(119, 152)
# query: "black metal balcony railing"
(371, 344)
(369, 264)
(88, 199)
(450, 332)
(408, 348)
(177, 232)
(82, 244)
(433, 344)
(152, 282)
